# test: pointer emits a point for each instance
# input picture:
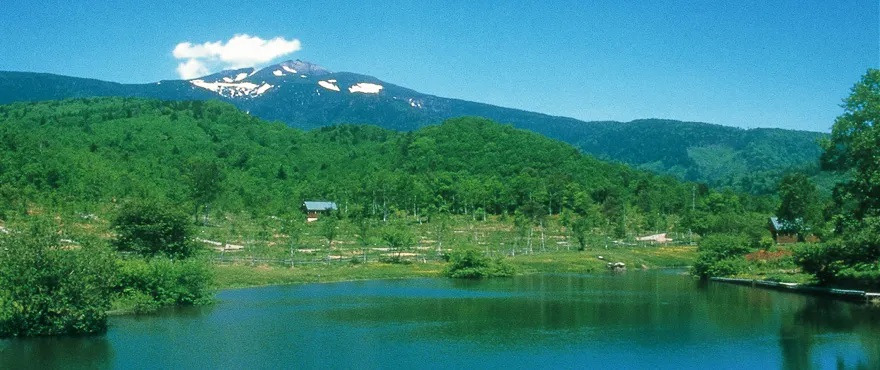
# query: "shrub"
(721, 255)
(865, 275)
(136, 302)
(850, 263)
(166, 282)
(473, 264)
(47, 289)
(727, 267)
(153, 229)
(822, 260)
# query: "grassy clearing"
(244, 275)
(775, 264)
(263, 252)
(238, 276)
(590, 261)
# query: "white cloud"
(192, 68)
(238, 52)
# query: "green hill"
(84, 155)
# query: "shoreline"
(851, 295)
(253, 275)
(240, 276)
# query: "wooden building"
(314, 208)
(786, 234)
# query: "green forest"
(85, 155)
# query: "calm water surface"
(656, 319)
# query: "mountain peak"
(228, 75)
(302, 67)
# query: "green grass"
(779, 276)
(266, 247)
(238, 276)
(246, 275)
(589, 260)
(495, 237)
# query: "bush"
(864, 275)
(136, 302)
(153, 229)
(721, 255)
(853, 264)
(150, 284)
(727, 267)
(50, 289)
(822, 260)
(472, 264)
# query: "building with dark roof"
(314, 208)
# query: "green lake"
(650, 320)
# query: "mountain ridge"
(313, 96)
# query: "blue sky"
(741, 63)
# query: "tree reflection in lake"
(821, 322)
(92, 352)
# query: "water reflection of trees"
(801, 320)
(57, 353)
(537, 305)
(740, 308)
(799, 333)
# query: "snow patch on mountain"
(286, 68)
(329, 85)
(278, 73)
(233, 89)
(365, 87)
(263, 88)
(241, 76)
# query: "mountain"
(305, 95)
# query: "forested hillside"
(744, 160)
(747, 160)
(85, 155)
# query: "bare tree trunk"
(543, 248)
(530, 241)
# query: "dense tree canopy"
(153, 229)
(853, 257)
(52, 287)
(800, 208)
(85, 154)
(854, 147)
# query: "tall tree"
(329, 223)
(205, 177)
(854, 147)
(799, 208)
(293, 227)
(399, 238)
(152, 228)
